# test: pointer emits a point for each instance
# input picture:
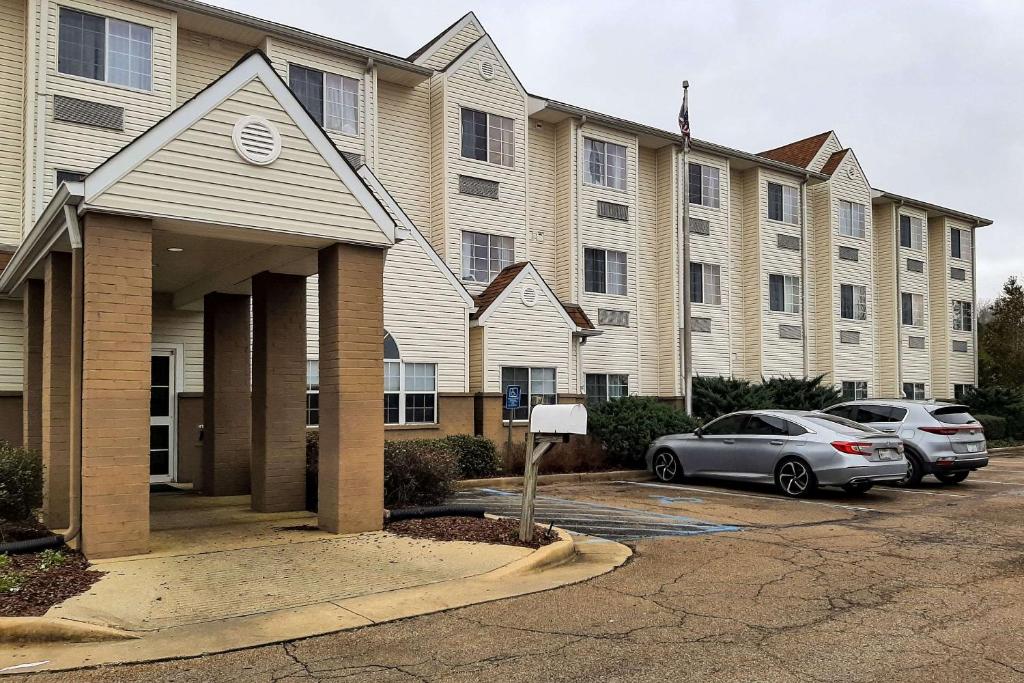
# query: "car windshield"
(953, 415)
(840, 424)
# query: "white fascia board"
(452, 31)
(255, 66)
(408, 230)
(484, 41)
(47, 229)
(529, 269)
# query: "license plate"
(973, 447)
(887, 454)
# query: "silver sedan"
(796, 450)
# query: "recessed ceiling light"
(175, 249)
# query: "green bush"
(418, 472)
(627, 426)
(21, 482)
(477, 455)
(995, 426)
(797, 393)
(717, 396)
(1001, 401)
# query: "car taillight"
(953, 431)
(852, 447)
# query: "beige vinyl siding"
(780, 357)
(173, 326)
(283, 54)
(649, 292)
(542, 202)
(524, 336)
(503, 216)
(439, 169)
(202, 59)
(667, 321)
(915, 362)
(712, 351)
(566, 185)
(887, 311)
(455, 45)
(749, 283)
(830, 147)
(76, 147)
(477, 338)
(11, 336)
(822, 260)
(12, 93)
(615, 351)
(939, 306)
(199, 176)
(853, 362)
(961, 365)
(404, 148)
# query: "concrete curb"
(1008, 450)
(54, 629)
(542, 558)
(571, 478)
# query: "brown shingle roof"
(799, 153)
(833, 162)
(578, 316)
(497, 286)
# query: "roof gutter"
(49, 228)
(978, 221)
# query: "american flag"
(684, 120)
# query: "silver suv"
(941, 439)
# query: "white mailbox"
(559, 419)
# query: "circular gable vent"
(529, 295)
(487, 70)
(256, 140)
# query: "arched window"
(410, 389)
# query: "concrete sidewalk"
(222, 577)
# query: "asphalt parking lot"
(896, 585)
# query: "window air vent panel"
(701, 324)
(959, 346)
(72, 110)
(617, 212)
(478, 187)
(790, 332)
(699, 226)
(791, 242)
(612, 318)
(915, 266)
(849, 254)
(915, 342)
(958, 273)
(849, 337)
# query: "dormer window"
(103, 49)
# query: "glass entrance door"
(162, 451)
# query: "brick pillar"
(32, 352)
(116, 348)
(278, 392)
(56, 395)
(227, 404)
(351, 479)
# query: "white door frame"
(176, 353)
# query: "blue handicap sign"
(513, 395)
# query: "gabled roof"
(478, 44)
(800, 153)
(435, 43)
(498, 285)
(579, 316)
(496, 292)
(833, 162)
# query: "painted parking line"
(897, 489)
(990, 481)
(777, 499)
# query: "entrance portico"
(237, 197)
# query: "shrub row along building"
(411, 235)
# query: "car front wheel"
(666, 466)
(795, 478)
(952, 477)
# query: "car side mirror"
(699, 433)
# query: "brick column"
(278, 392)
(227, 404)
(351, 479)
(56, 395)
(32, 352)
(116, 348)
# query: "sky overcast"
(930, 95)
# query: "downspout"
(899, 298)
(803, 275)
(77, 340)
(974, 298)
(578, 246)
(367, 128)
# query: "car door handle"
(728, 440)
(776, 442)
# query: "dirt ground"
(896, 585)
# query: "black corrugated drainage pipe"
(32, 545)
(435, 511)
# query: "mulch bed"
(42, 589)
(476, 529)
(22, 531)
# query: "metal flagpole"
(684, 129)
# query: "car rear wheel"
(859, 487)
(795, 478)
(666, 466)
(914, 472)
(952, 477)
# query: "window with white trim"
(912, 307)
(784, 203)
(957, 241)
(851, 219)
(705, 283)
(104, 49)
(601, 387)
(853, 304)
(704, 185)
(485, 255)
(960, 390)
(312, 393)
(488, 137)
(604, 271)
(913, 391)
(332, 100)
(854, 391)
(784, 293)
(410, 389)
(605, 163)
(963, 316)
(532, 382)
(911, 232)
